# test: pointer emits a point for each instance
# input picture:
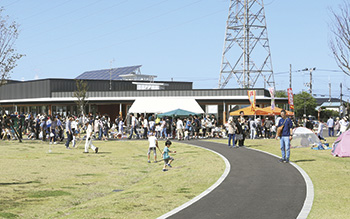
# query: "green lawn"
(330, 176)
(70, 184)
(115, 183)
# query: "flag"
(272, 94)
(290, 98)
(252, 98)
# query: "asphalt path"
(257, 186)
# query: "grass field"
(115, 183)
(119, 183)
(330, 176)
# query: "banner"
(272, 94)
(252, 98)
(290, 98)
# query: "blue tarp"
(322, 147)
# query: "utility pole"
(341, 100)
(110, 74)
(330, 94)
(311, 69)
(290, 75)
(310, 84)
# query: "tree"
(8, 56)
(81, 95)
(325, 114)
(304, 103)
(281, 93)
(340, 41)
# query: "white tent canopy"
(304, 137)
(164, 104)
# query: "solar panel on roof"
(105, 73)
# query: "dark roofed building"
(322, 100)
(113, 91)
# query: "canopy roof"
(304, 137)
(276, 111)
(177, 112)
(248, 112)
(162, 105)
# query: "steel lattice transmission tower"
(246, 55)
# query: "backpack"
(254, 124)
(168, 125)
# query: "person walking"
(330, 125)
(60, 128)
(196, 126)
(188, 128)
(168, 128)
(239, 138)
(69, 131)
(253, 126)
(151, 123)
(242, 125)
(286, 136)
(267, 128)
(74, 126)
(145, 126)
(343, 125)
(105, 127)
(121, 127)
(53, 129)
(43, 128)
(133, 127)
(320, 131)
(179, 129)
(153, 145)
(336, 126)
(231, 126)
(88, 142)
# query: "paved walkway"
(258, 186)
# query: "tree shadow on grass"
(18, 183)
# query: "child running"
(153, 143)
(166, 157)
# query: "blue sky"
(180, 40)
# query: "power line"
(329, 70)
(12, 3)
(62, 15)
(142, 36)
(125, 27)
(112, 20)
(73, 21)
(46, 10)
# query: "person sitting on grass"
(167, 159)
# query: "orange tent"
(248, 112)
(276, 111)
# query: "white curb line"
(206, 192)
(309, 188)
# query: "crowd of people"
(56, 128)
(149, 126)
(50, 128)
